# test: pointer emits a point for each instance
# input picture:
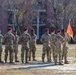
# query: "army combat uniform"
(65, 47)
(45, 39)
(58, 49)
(32, 44)
(16, 47)
(1, 40)
(53, 36)
(74, 38)
(24, 39)
(8, 40)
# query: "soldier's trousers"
(65, 51)
(46, 50)
(24, 51)
(58, 52)
(52, 50)
(32, 52)
(15, 46)
(9, 49)
(0, 53)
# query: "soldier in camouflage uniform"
(16, 46)
(53, 36)
(66, 39)
(74, 38)
(24, 39)
(45, 39)
(1, 40)
(32, 44)
(8, 40)
(58, 48)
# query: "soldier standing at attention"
(66, 38)
(45, 39)
(1, 41)
(24, 39)
(16, 46)
(32, 45)
(58, 48)
(8, 40)
(53, 36)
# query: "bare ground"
(7, 69)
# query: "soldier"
(45, 39)
(32, 45)
(53, 36)
(24, 39)
(16, 46)
(66, 38)
(58, 48)
(74, 38)
(8, 40)
(1, 41)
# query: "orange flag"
(69, 30)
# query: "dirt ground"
(34, 72)
(6, 69)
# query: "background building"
(36, 14)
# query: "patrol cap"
(9, 29)
(46, 29)
(58, 31)
(25, 29)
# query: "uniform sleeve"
(36, 36)
(29, 37)
(13, 38)
(55, 40)
(50, 38)
(4, 38)
(69, 38)
(62, 39)
(21, 38)
(18, 38)
(42, 39)
(74, 38)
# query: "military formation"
(55, 44)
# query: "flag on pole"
(69, 30)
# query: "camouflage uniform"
(45, 39)
(65, 47)
(74, 38)
(8, 40)
(24, 39)
(1, 40)
(58, 49)
(16, 46)
(32, 46)
(53, 36)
